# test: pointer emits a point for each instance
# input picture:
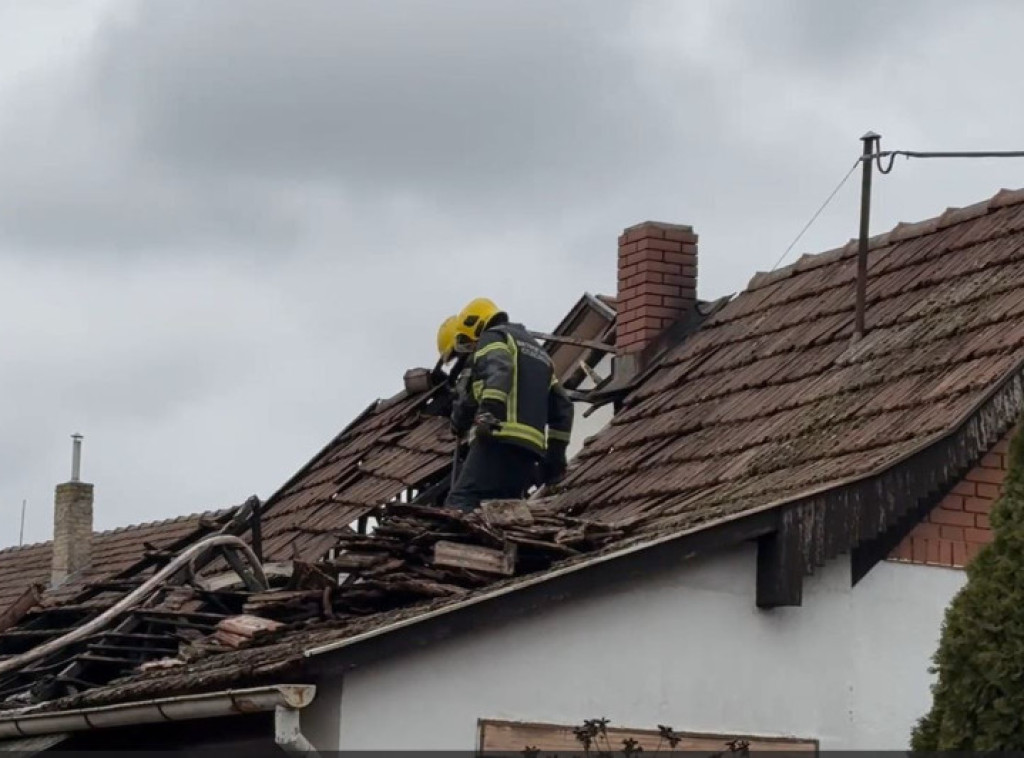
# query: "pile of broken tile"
(416, 553)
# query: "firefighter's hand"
(438, 377)
(485, 424)
(458, 427)
(555, 463)
(461, 421)
(462, 381)
(554, 472)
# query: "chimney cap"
(660, 225)
(76, 456)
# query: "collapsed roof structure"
(397, 450)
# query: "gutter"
(285, 700)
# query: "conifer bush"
(978, 698)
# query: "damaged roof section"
(397, 451)
(419, 559)
(113, 552)
(393, 447)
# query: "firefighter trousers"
(493, 470)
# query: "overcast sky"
(226, 226)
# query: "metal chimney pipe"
(76, 457)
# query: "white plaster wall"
(688, 649)
(591, 425)
(320, 721)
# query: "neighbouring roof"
(770, 404)
(590, 319)
(112, 552)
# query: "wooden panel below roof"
(514, 736)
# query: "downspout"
(288, 732)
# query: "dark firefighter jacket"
(511, 377)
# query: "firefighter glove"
(555, 462)
(485, 424)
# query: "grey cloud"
(833, 37)
(225, 227)
(73, 178)
(203, 122)
(407, 95)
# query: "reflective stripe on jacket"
(512, 379)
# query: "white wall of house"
(688, 649)
(595, 422)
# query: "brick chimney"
(72, 522)
(657, 283)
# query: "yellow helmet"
(446, 337)
(475, 317)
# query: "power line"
(968, 154)
(817, 213)
(891, 155)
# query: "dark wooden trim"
(867, 555)
(900, 497)
(780, 566)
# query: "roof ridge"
(902, 232)
(165, 521)
(128, 527)
(27, 546)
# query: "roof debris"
(416, 553)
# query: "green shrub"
(978, 698)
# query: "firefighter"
(446, 338)
(509, 401)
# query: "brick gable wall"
(957, 528)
